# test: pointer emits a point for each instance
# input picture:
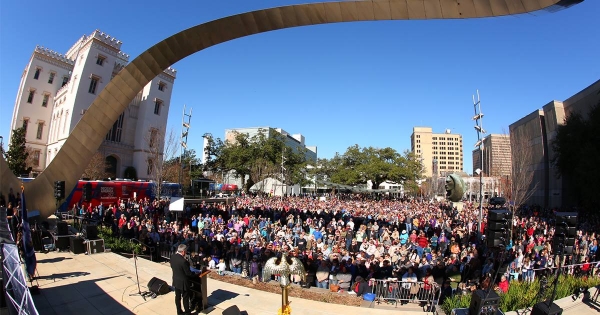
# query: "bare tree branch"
(523, 167)
(161, 148)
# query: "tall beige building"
(496, 156)
(440, 153)
(531, 142)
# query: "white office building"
(56, 90)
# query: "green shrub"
(521, 295)
(117, 244)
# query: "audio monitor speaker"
(62, 228)
(232, 310)
(483, 302)
(545, 308)
(158, 287)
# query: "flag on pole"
(30, 260)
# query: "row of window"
(51, 76)
(45, 98)
(444, 138)
(40, 128)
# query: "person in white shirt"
(221, 267)
(408, 280)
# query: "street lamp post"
(480, 131)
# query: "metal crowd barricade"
(398, 291)
(166, 250)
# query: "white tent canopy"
(177, 204)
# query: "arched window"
(111, 166)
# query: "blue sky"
(365, 83)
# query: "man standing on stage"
(181, 281)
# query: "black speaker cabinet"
(158, 287)
(483, 303)
(95, 246)
(545, 308)
(91, 232)
(62, 243)
(232, 310)
(77, 246)
(62, 228)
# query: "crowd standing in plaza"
(347, 241)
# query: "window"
(157, 105)
(65, 81)
(25, 124)
(30, 97)
(36, 158)
(150, 167)
(40, 130)
(36, 75)
(93, 84)
(153, 135)
(100, 60)
(51, 77)
(162, 86)
(45, 100)
(115, 133)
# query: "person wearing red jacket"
(422, 242)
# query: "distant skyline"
(365, 83)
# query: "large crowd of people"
(347, 241)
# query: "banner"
(30, 260)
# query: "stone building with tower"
(56, 90)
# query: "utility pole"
(480, 131)
(186, 120)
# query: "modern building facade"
(496, 156)
(56, 90)
(440, 153)
(294, 141)
(532, 137)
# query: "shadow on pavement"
(76, 298)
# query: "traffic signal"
(59, 189)
(87, 192)
(565, 232)
(498, 228)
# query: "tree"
(96, 169)
(577, 147)
(161, 147)
(257, 158)
(359, 165)
(522, 185)
(17, 154)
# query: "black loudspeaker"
(158, 287)
(483, 303)
(77, 246)
(62, 228)
(62, 243)
(91, 232)
(543, 308)
(232, 310)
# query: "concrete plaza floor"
(103, 283)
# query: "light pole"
(480, 131)
(185, 128)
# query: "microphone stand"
(139, 293)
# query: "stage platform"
(102, 284)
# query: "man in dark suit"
(181, 281)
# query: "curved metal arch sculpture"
(88, 134)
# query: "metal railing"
(404, 292)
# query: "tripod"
(137, 278)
